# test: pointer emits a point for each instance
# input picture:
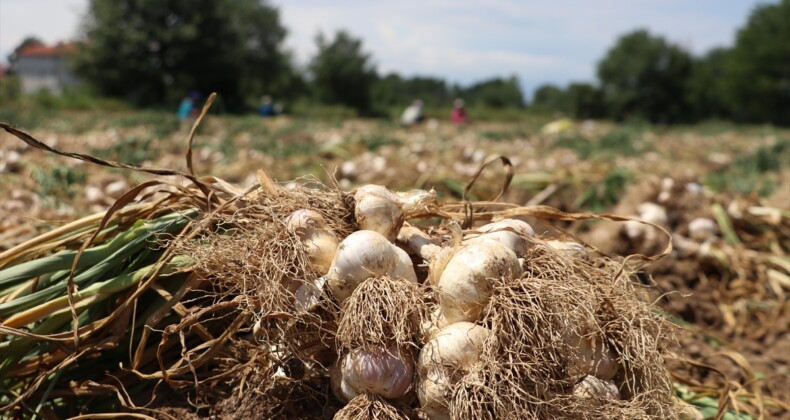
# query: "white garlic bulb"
(387, 372)
(454, 348)
(318, 240)
(702, 228)
(365, 254)
(463, 287)
(339, 385)
(418, 242)
(591, 356)
(651, 213)
(592, 387)
(508, 232)
(378, 209)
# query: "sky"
(462, 41)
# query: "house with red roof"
(43, 67)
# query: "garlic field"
(287, 267)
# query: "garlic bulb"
(508, 232)
(318, 240)
(648, 212)
(702, 228)
(381, 210)
(365, 254)
(463, 288)
(454, 348)
(418, 242)
(308, 294)
(339, 385)
(591, 356)
(378, 209)
(432, 392)
(432, 324)
(568, 248)
(592, 387)
(382, 371)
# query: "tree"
(757, 71)
(707, 94)
(496, 93)
(27, 42)
(342, 72)
(550, 98)
(645, 76)
(152, 52)
(394, 90)
(584, 101)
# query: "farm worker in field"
(267, 109)
(458, 114)
(412, 114)
(185, 108)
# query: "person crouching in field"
(412, 114)
(458, 114)
(267, 107)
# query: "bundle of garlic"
(260, 301)
(383, 299)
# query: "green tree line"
(154, 52)
(644, 76)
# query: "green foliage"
(747, 174)
(551, 98)
(152, 52)
(757, 72)
(645, 76)
(495, 93)
(60, 181)
(585, 101)
(162, 124)
(342, 72)
(291, 140)
(707, 85)
(128, 150)
(605, 193)
(395, 91)
(376, 141)
(620, 142)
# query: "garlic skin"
(432, 393)
(591, 356)
(432, 324)
(702, 228)
(318, 240)
(382, 371)
(648, 212)
(308, 294)
(417, 202)
(463, 288)
(339, 385)
(365, 254)
(378, 209)
(381, 210)
(592, 387)
(418, 242)
(508, 232)
(455, 347)
(568, 248)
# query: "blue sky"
(540, 41)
